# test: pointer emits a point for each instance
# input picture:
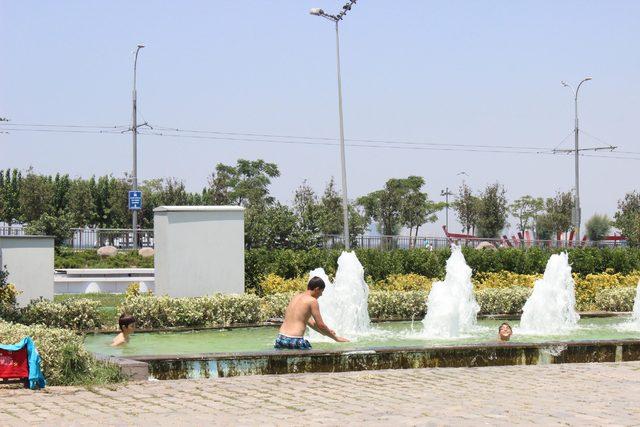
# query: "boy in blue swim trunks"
(303, 311)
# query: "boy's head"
(504, 332)
(316, 286)
(127, 323)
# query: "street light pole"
(446, 193)
(345, 203)
(134, 132)
(576, 209)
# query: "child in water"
(504, 332)
(127, 325)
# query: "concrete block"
(199, 250)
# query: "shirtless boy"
(127, 326)
(303, 311)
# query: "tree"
(492, 211)
(466, 207)
(58, 226)
(308, 210)
(598, 227)
(525, 210)
(10, 181)
(417, 209)
(246, 184)
(331, 217)
(385, 206)
(60, 198)
(558, 212)
(35, 197)
(81, 207)
(275, 227)
(627, 218)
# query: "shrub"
(502, 300)
(65, 361)
(273, 284)
(76, 314)
(68, 258)
(8, 295)
(504, 279)
(403, 282)
(598, 227)
(214, 310)
(273, 306)
(615, 299)
(397, 305)
(588, 288)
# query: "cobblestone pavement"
(575, 394)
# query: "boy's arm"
(320, 326)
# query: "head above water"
(316, 286)
(505, 331)
(126, 322)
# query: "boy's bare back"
(297, 315)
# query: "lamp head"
(316, 11)
(588, 78)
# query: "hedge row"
(65, 361)
(378, 265)
(224, 310)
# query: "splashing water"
(344, 303)
(635, 317)
(451, 306)
(551, 307)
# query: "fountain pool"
(244, 351)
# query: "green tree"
(10, 194)
(308, 210)
(492, 211)
(598, 227)
(274, 227)
(81, 207)
(417, 208)
(385, 206)
(58, 226)
(627, 218)
(331, 217)
(246, 184)
(35, 196)
(558, 212)
(526, 210)
(60, 200)
(466, 207)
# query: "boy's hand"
(341, 339)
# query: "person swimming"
(303, 310)
(127, 325)
(504, 332)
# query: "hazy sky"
(445, 72)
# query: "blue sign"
(135, 200)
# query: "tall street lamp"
(345, 206)
(576, 209)
(134, 131)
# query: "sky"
(456, 73)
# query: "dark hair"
(505, 324)
(315, 283)
(125, 320)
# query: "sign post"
(135, 200)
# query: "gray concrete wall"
(199, 250)
(29, 261)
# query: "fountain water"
(551, 307)
(344, 303)
(635, 318)
(451, 306)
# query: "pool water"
(388, 334)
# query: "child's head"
(127, 323)
(504, 332)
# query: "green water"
(389, 334)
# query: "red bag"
(14, 364)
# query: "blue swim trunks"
(291, 343)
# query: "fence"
(122, 238)
(406, 242)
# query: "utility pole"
(576, 213)
(345, 203)
(446, 193)
(134, 132)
